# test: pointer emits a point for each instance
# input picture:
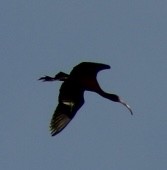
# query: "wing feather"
(60, 119)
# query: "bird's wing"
(70, 100)
(88, 69)
(60, 119)
(63, 114)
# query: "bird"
(83, 77)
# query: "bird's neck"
(109, 96)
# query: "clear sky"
(39, 37)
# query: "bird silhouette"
(71, 97)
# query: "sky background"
(39, 37)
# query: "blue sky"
(39, 37)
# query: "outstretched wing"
(60, 119)
(70, 100)
(63, 114)
(88, 69)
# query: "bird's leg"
(47, 78)
(60, 76)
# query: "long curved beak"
(126, 105)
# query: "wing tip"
(58, 124)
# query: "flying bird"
(71, 97)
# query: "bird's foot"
(47, 78)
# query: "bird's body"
(71, 96)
